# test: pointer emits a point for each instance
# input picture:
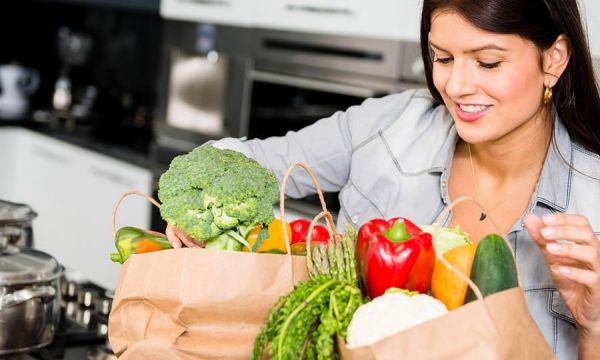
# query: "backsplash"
(119, 70)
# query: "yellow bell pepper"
(274, 243)
(446, 286)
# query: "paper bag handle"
(328, 219)
(441, 258)
(121, 198)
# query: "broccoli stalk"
(239, 238)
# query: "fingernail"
(554, 248)
(176, 245)
(549, 219)
(549, 231)
(562, 270)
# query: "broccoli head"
(211, 192)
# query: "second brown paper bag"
(496, 327)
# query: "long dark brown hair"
(576, 95)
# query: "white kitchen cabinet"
(228, 12)
(7, 162)
(386, 19)
(73, 190)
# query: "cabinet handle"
(312, 9)
(50, 155)
(217, 3)
(112, 177)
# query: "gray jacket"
(391, 157)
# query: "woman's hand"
(574, 264)
(178, 238)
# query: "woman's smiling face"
(492, 84)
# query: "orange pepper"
(275, 242)
(446, 286)
(145, 246)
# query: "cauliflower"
(391, 313)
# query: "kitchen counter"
(73, 180)
(139, 152)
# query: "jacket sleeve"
(325, 146)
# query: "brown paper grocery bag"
(498, 326)
(198, 303)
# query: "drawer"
(228, 12)
(386, 19)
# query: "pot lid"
(19, 266)
(15, 213)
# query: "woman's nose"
(461, 81)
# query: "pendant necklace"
(483, 215)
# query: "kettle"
(16, 84)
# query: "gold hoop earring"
(547, 95)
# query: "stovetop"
(73, 341)
(83, 326)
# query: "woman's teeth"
(472, 108)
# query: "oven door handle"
(311, 84)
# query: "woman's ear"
(556, 59)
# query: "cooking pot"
(29, 299)
(15, 224)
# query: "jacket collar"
(554, 186)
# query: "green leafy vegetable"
(210, 192)
(446, 238)
(303, 324)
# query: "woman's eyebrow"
(474, 50)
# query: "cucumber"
(494, 268)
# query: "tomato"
(320, 234)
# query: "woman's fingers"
(583, 276)
(565, 219)
(172, 237)
(188, 241)
(577, 233)
(586, 254)
(178, 238)
(534, 225)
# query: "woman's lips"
(470, 116)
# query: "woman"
(512, 118)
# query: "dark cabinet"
(142, 5)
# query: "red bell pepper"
(394, 253)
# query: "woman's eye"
(489, 65)
(443, 61)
